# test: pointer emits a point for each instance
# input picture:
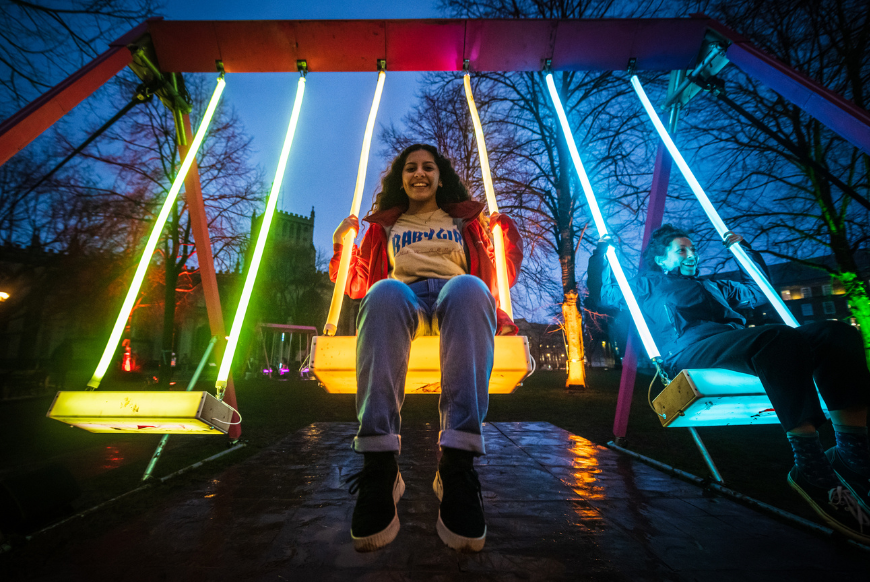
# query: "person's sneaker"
(836, 506)
(375, 521)
(461, 524)
(855, 482)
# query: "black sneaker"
(461, 524)
(837, 507)
(375, 521)
(858, 484)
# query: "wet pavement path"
(558, 508)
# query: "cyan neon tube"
(251, 277)
(154, 238)
(619, 274)
(575, 156)
(740, 254)
(347, 240)
(497, 234)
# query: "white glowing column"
(347, 241)
(621, 280)
(754, 271)
(154, 238)
(504, 292)
(256, 257)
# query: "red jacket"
(369, 263)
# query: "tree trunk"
(573, 322)
(170, 283)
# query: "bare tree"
(41, 42)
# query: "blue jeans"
(462, 311)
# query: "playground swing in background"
(333, 358)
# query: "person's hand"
(731, 239)
(494, 219)
(351, 222)
(604, 242)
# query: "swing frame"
(426, 45)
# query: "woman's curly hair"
(659, 242)
(392, 193)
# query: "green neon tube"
(136, 284)
(739, 253)
(633, 308)
(233, 339)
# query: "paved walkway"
(558, 508)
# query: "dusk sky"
(323, 162)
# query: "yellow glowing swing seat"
(333, 363)
(143, 412)
(333, 358)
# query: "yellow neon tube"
(139, 276)
(497, 234)
(618, 273)
(347, 241)
(757, 274)
(251, 277)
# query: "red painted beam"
(26, 125)
(427, 45)
(835, 111)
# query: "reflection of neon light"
(741, 256)
(347, 241)
(504, 293)
(233, 339)
(621, 280)
(168, 204)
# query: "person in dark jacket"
(696, 323)
(425, 267)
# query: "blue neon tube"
(738, 251)
(633, 308)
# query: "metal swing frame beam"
(428, 45)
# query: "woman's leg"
(388, 320)
(466, 319)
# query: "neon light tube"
(741, 256)
(497, 234)
(251, 277)
(154, 238)
(621, 280)
(633, 308)
(575, 156)
(347, 240)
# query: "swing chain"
(660, 371)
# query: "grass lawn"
(752, 460)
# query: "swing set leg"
(706, 454)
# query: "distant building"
(810, 293)
(546, 344)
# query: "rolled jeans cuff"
(465, 441)
(381, 443)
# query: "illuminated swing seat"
(143, 412)
(713, 397)
(333, 363)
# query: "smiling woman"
(425, 267)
